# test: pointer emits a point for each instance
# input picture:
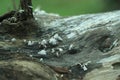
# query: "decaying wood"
(7, 15)
(94, 36)
(20, 23)
(60, 70)
(87, 32)
(21, 68)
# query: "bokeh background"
(66, 7)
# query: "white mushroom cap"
(71, 46)
(56, 36)
(13, 39)
(24, 40)
(42, 52)
(30, 43)
(31, 55)
(21, 11)
(41, 59)
(84, 68)
(43, 42)
(60, 49)
(53, 41)
(57, 54)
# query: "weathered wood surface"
(95, 36)
(95, 39)
(88, 32)
(23, 68)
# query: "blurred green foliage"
(65, 7)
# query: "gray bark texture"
(88, 32)
(94, 37)
(26, 5)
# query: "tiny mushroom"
(43, 42)
(42, 52)
(60, 49)
(56, 36)
(71, 46)
(72, 49)
(57, 54)
(30, 6)
(13, 40)
(41, 59)
(21, 11)
(30, 43)
(53, 41)
(84, 67)
(31, 55)
(24, 40)
(13, 19)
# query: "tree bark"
(90, 34)
(26, 6)
(95, 36)
(22, 20)
(24, 68)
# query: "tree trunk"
(20, 23)
(26, 6)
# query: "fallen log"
(94, 36)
